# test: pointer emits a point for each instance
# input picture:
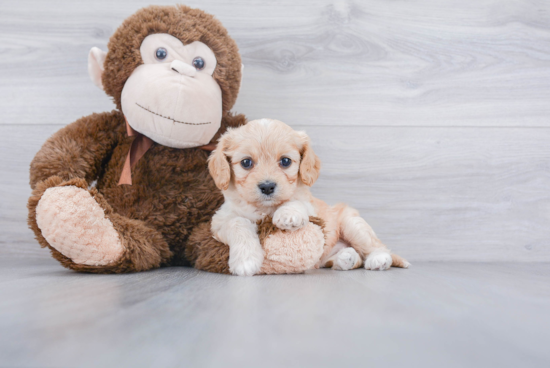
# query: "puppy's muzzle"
(267, 188)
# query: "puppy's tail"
(399, 262)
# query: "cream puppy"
(265, 168)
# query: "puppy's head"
(264, 161)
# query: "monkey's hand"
(79, 149)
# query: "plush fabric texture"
(291, 251)
(206, 253)
(75, 224)
(96, 59)
(285, 251)
(172, 192)
(184, 23)
(144, 247)
(149, 110)
(149, 95)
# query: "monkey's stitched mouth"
(169, 118)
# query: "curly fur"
(265, 187)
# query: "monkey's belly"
(172, 190)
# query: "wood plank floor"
(432, 315)
(431, 117)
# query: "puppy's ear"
(219, 165)
(310, 166)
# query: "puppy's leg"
(345, 259)
(362, 238)
(245, 251)
(293, 215)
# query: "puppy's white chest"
(261, 214)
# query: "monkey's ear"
(219, 165)
(96, 59)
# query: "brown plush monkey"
(174, 74)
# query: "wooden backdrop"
(431, 117)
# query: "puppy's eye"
(161, 53)
(198, 63)
(247, 163)
(285, 162)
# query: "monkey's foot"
(76, 226)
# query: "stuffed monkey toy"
(123, 191)
(174, 74)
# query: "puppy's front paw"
(246, 263)
(245, 268)
(378, 260)
(288, 218)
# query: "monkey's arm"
(78, 150)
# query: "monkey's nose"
(182, 68)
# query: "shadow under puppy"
(265, 169)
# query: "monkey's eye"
(161, 53)
(247, 164)
(285, 162)
(198, 63)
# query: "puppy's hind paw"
(378, 260)
(346, 259)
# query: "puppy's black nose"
(267, 187)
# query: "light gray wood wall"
(431, 117)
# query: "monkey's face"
(172, 97)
